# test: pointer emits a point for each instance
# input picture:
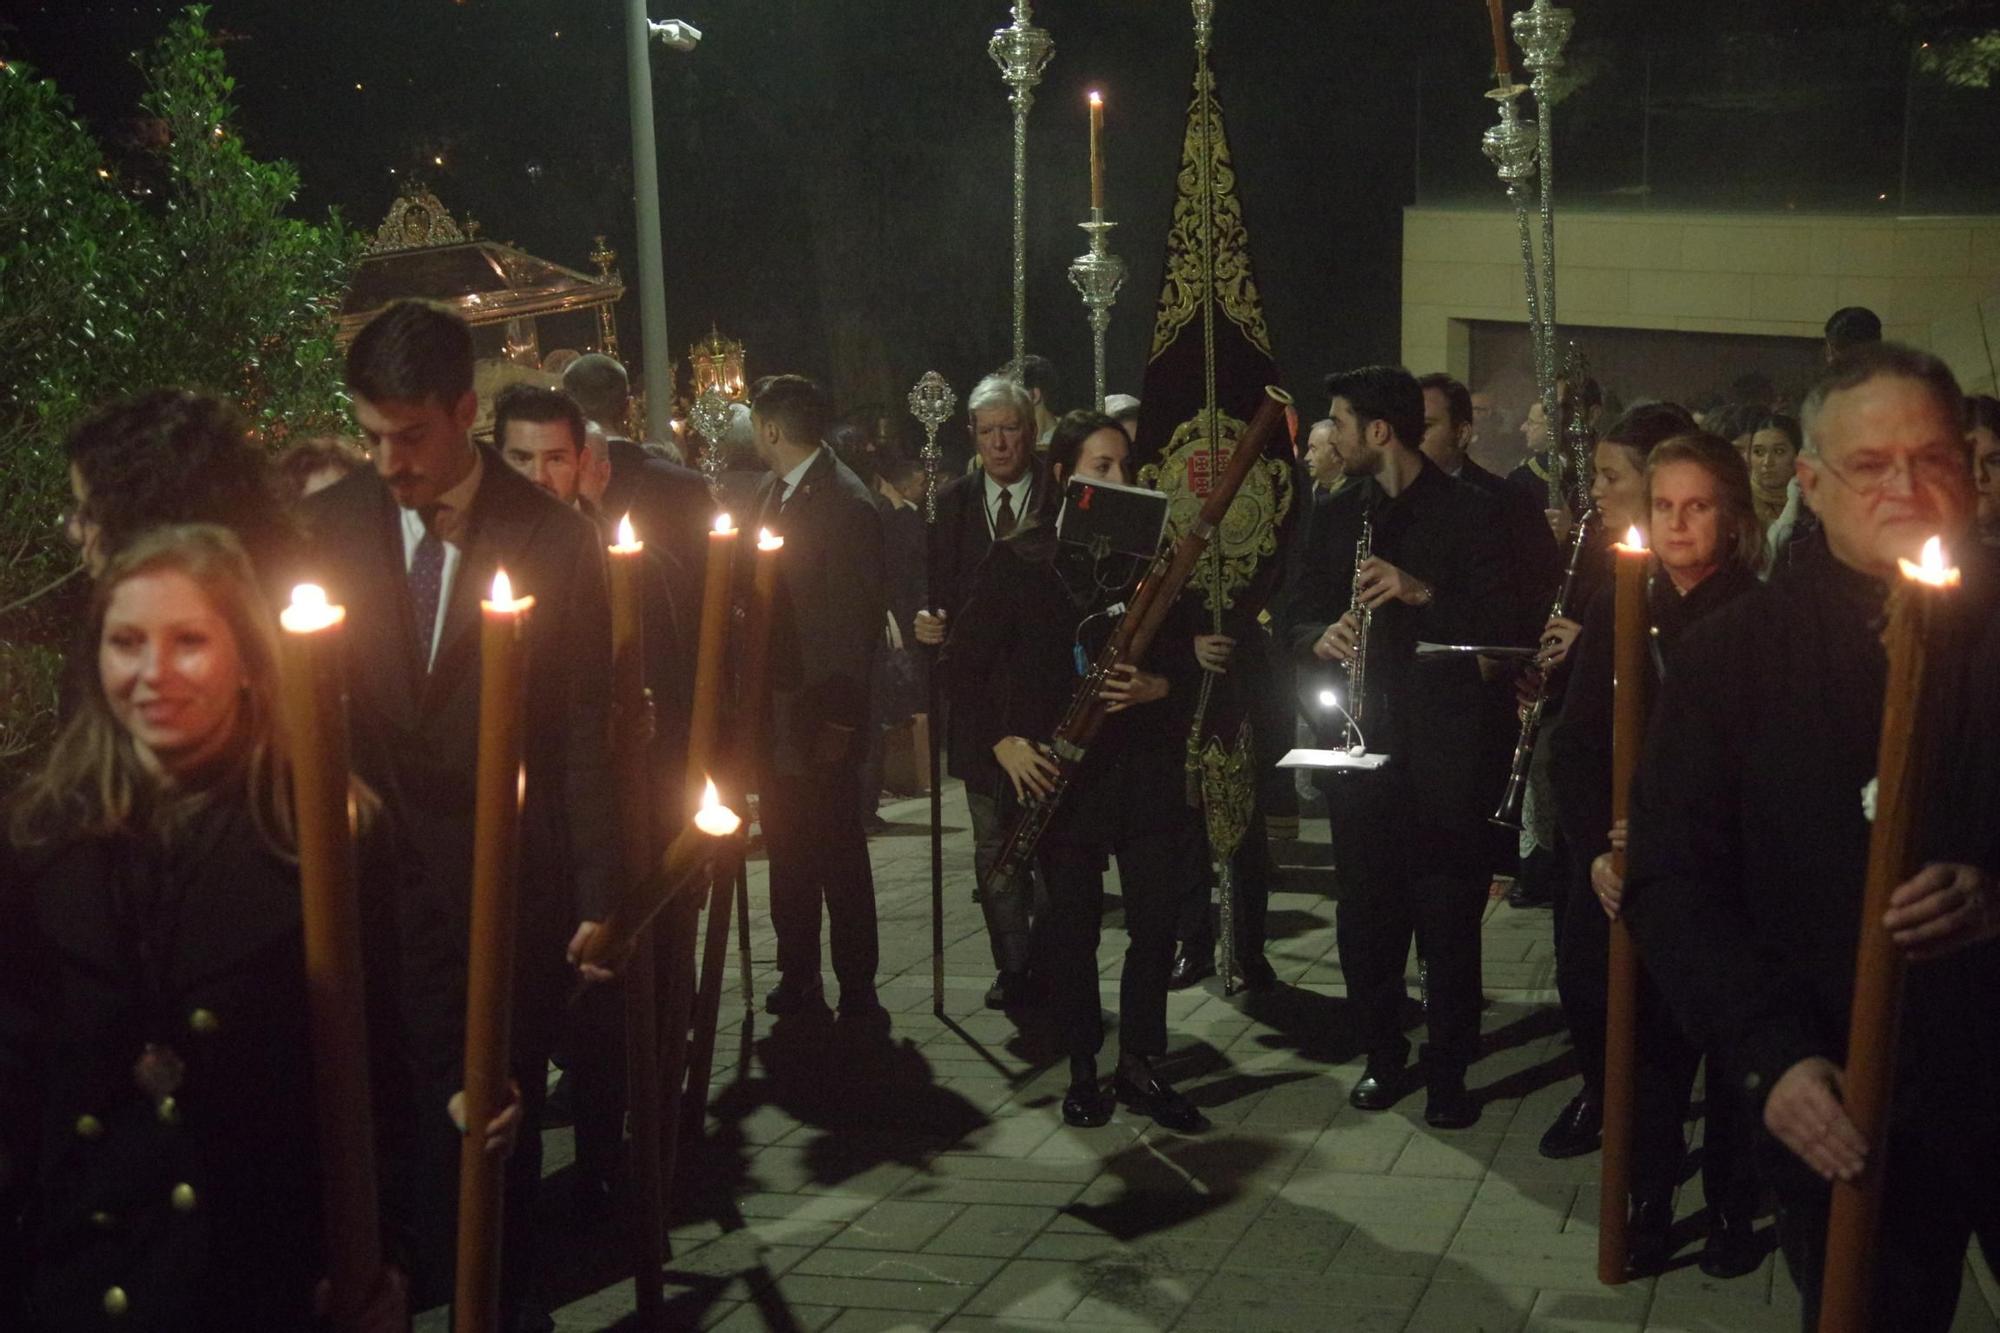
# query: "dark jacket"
(416, 734)
(1580, 741)
(671, 509)
(1532, 553)
(1430, 717)
(1010, 666)
(196, 945)
(1749, 841)
(829, 619)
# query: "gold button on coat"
(89, 1127)
(183, 1198)
(115, 1301)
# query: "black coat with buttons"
(199, 1209)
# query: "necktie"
(426, 587)
(1004, 517)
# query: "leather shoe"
(1010, 990)
(1732, 1248)
(1578, 1129)
(1449, 1105)
(1257, 973)
(1086, 1106)
(788, 998)
(1380, 1088)
(1649, 1236)
(1192, 962)
(1528, 893)
(1159, 1100)
(860, 1003)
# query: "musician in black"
(1038, 611)
(1410, 839)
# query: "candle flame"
(724, 523)
(768, 540)
(713, 817)
(503, 588)
(1931, 567)
(626, 537)
(1096, 98)
(1635, 540)
(310, 610)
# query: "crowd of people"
(157, 1162)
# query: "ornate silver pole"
(710, 416)
(1510, 147)
(931, 402)
(1097, 275)
(1022, 51)
(1543, 30)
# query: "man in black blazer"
(409, 548)
(1009, 491)
(829, 624)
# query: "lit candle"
(503, 662)
(710, 651)
(1628, 730)
(1901, 760)
(714, 818)
(684, 866)
(1096, 151)
(336, 993)
(757, 652)
(1503, 68)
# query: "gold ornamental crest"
(1185, 473)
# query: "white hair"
(998, 391)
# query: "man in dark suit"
(409, 548)
(829, 622)
(1008, 491)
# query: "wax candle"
(1096, 150)
(1503, 67)
(710, 651)
(336, 993)
(1915, 604)
(503, 663)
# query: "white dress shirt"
(795, 476)
(454, 510)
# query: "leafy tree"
(175, 264)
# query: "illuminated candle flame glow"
(1931, 567)
(627, 539)
(768, 540)
(1635, 540)
(724, 524)
(503, 599)
(310, 611)
(713, 817)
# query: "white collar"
(797, 475)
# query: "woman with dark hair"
(1037, 607)
(171, 456)
(1700, 518)
(156, 1059)
(1775, 442)
(1982, 413)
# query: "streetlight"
(641, 31)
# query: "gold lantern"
(717, 363)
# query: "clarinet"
(1140, 621)
(1509, 813)
(1364, 617)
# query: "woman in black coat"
(157, 1146)
(1707, 549)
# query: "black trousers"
(1159, 869)
(1401, 880)
(1012, 906)
(819, 855)
(1941, 1190)
(1664, 1070)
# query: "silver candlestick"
(1542, 30)
(931, 403)
(1510, 146)
(1097, 274)
(710, 416)
(1022, 52)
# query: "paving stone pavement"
(922, 1178)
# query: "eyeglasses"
(1872, 473)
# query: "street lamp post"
(640, 31)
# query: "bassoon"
(1508, 815)
(1143, 615)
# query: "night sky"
(836, 172)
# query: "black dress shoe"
(1732, 1248)
(1086, 1106)
(1158, 1099)
(1380, 1088)
(1649, 1236)
(861, 1002)
(1010, 990)
(1449, 1105)
(789, 998)
(1578, 1129)
(1191, 963)
(1531, 893)
(1257, 973)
